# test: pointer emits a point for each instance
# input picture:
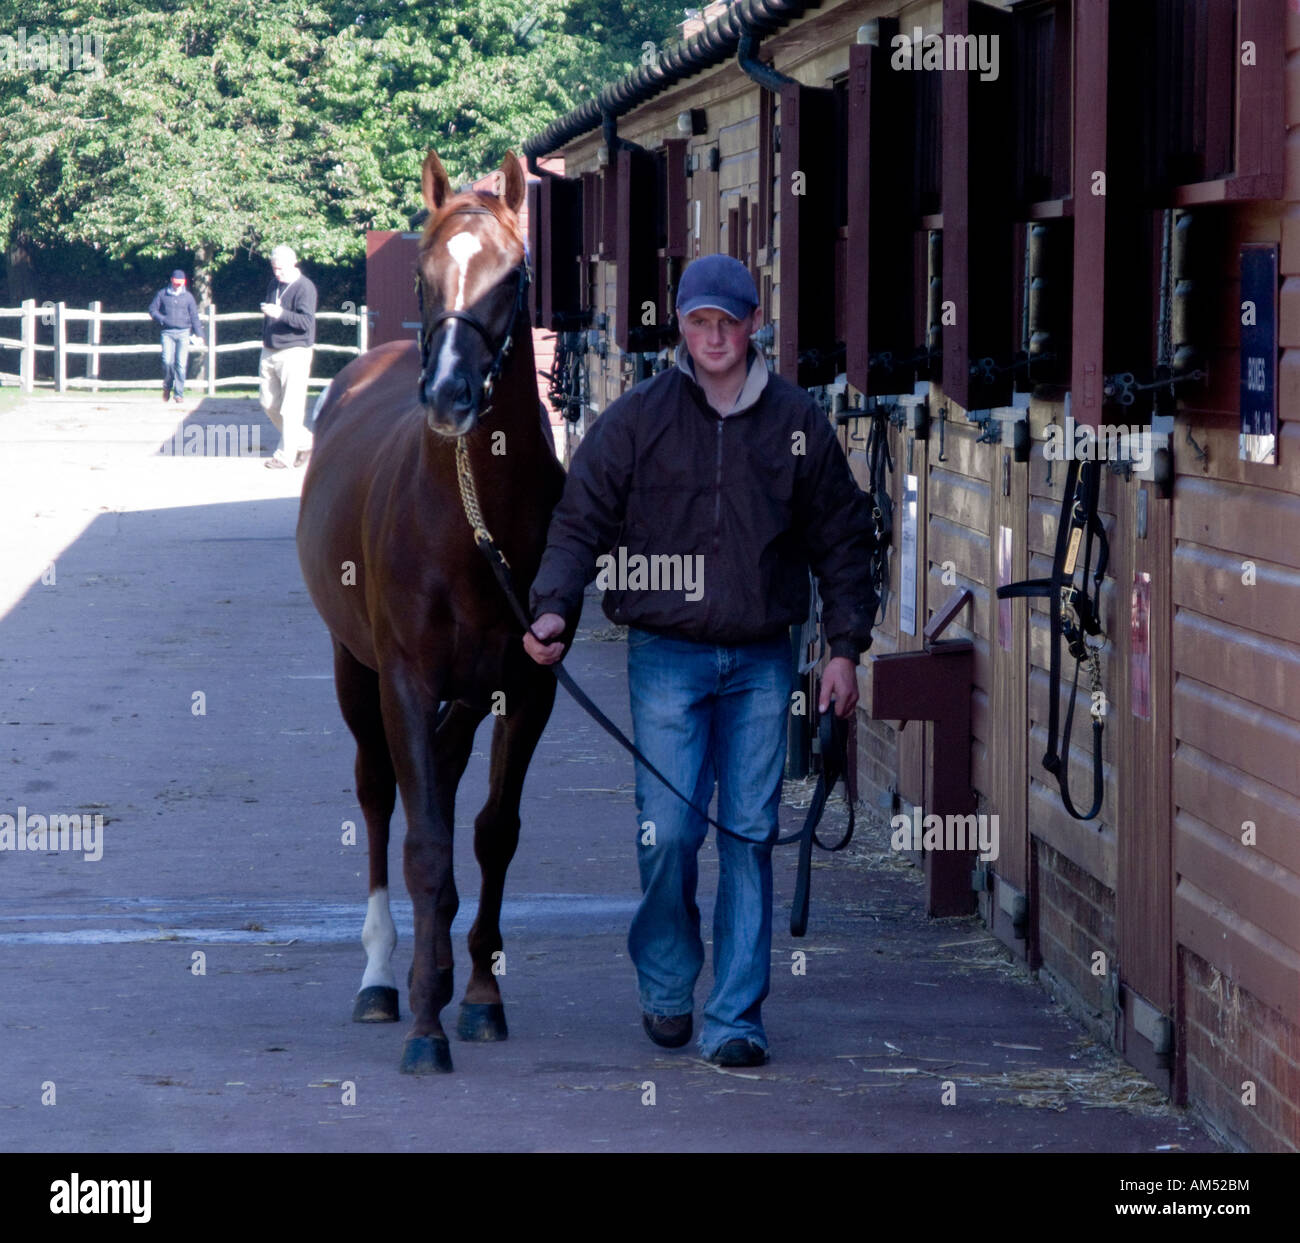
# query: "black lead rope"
(832, 736)
(1078, 524)
(879, 466)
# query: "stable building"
(1015, 247)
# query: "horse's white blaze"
(379, 936)
(448, 358)
(462, 248)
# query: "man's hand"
(839, 682)
(547, 626)
(195, 339)
(271, 310)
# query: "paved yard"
(136, 586)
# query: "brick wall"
(1076, 917)
(877, 758)
(1230, 1038)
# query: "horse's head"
(472, 278)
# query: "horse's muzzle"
(450, 404)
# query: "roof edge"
(718, 42)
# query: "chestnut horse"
(425, 643)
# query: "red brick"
(1087, 986)
(1225, 1111)
(1097, 923)
(1232, 1038)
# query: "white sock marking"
(379, 936)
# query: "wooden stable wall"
(1236, 720)
(1174, 938)
(1235, 673)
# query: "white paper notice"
(907, 575)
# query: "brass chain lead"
(1098, 709)
(469, 500)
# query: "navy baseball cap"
(178, 273)
(717, 281)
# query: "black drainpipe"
(747, 58)
(613, 143)
(609, 128)
(799, 734)
(538, 171)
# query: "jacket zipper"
(717, 495)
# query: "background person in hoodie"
(173, 309)
(288, 335)
(720, 462)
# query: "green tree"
(225, 126)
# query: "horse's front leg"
(358, 692)
(496, 834)
(410, 721)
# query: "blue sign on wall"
(1258, 443)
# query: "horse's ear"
(435, 185)
(514, 177)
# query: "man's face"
(178, 283)
(281, 267)
(717, 342)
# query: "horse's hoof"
(482, 1022)
(376, 1004)
(426, 1055)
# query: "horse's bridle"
(501, 349)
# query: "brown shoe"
(670, 1031)
(167, 394)
(275, 463)
(301, 457)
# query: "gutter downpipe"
(538, 171)
(613, 143)
(799, 733)
(747, 58)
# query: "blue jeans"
(175, 354)
(703, 714)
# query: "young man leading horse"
(719, 460)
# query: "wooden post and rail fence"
(57, 315)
